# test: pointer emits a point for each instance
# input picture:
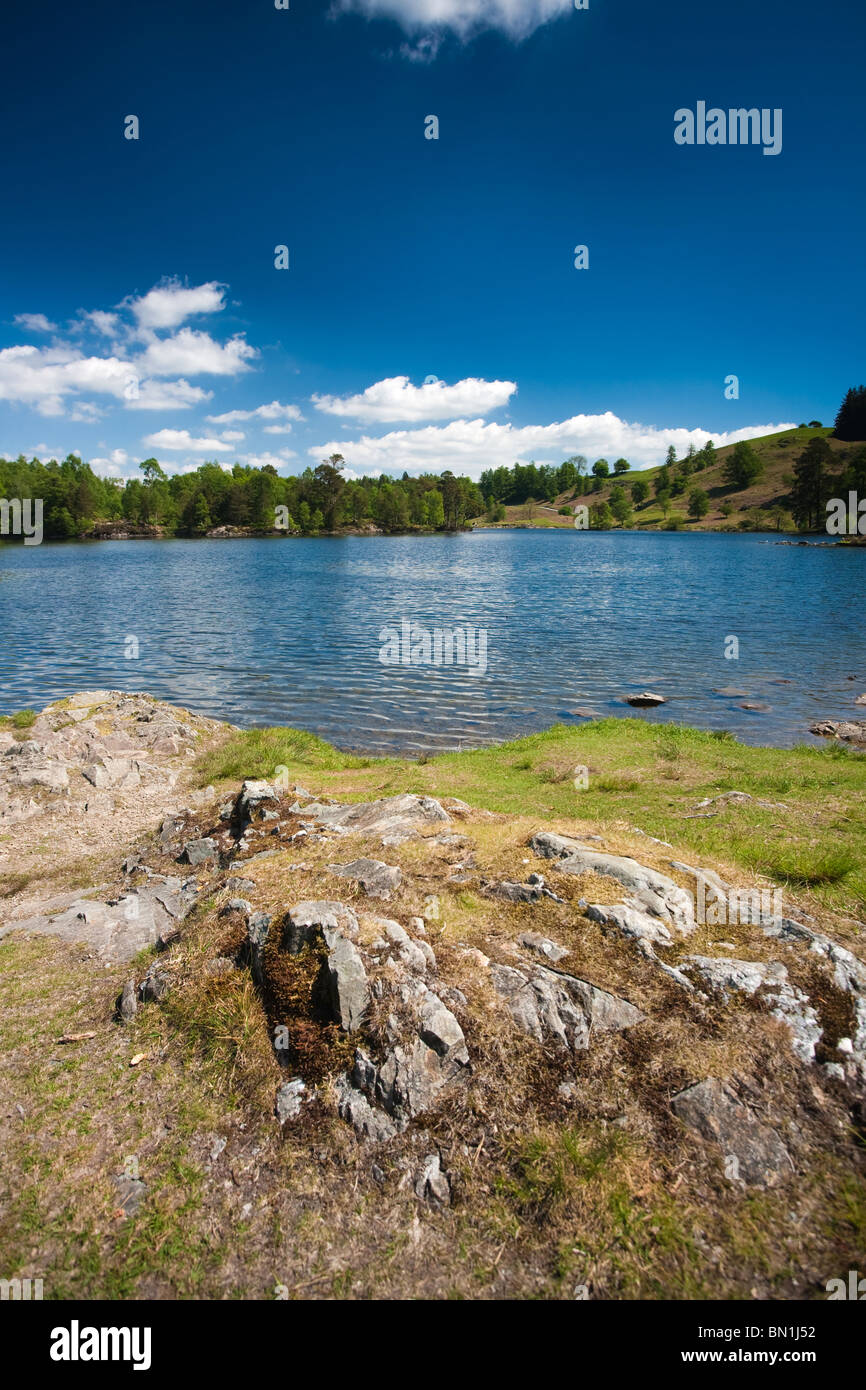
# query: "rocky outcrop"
(376, 879)
(560, 1009)
(650, 891)
(753, 1152)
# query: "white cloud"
(182, 439)
(471, 446)
(397, 399)
(195, 354)
(170, 302)
(86, 412)
(517, 19)
(273, 411)
(102, 322)
(232, 436)
(275, 460)
(35, 323)
(167, 395)
(42, 377)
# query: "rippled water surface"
(288, 631)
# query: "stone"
(131, 1192)
(651, 890)
(848, 730)
(258, 929)
(155, 985)
(128, 1002)
(431, 1184)
(197, 852)
(354, 1107)
(553, 1007)
(349, 989)
(234, 905)
(712, 1110)
(417, 956)
(308, 921)
(253, 800)
(377, 880)
(542, 946)
(394, 818)
(646, 700)
(290, 1098)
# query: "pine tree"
(851, 419)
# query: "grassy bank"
(804, 828)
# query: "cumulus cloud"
(196, 354)
(169, 303)
(101, 321)
(273, 411)
(275, 460)
(35, 323)
(471, 446)
(397, 399)
(182, 439)
(166, 395)
(517, 19)
(43, 377)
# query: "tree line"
(75, 499)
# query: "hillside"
(336, 1033)
(755, 505)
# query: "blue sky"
(142, 313)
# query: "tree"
(621, 466)
(851, 418)
(601, 517)
(699, 503)
(434, 512)
(601, 468)
(810, 487)
(662, 481)
(664, 500)
(709, 453)
(639, 491)
(743, 466)
(152, 471)
(620, 505)
(671, 457)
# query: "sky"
(432, 315)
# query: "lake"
(291, 631)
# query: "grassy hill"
(755, 505)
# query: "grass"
(604, 1195)
(22, 719)
(640, 777)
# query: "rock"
(131, 1192)
(848, 730)
(394, 818)
(219, 966)
(354, 1107)
(378, 880)
(128, 1002)
(646, 700)
(234, 905)
(236, 884)
(290, 1098)
(258, 929)
(307, 921)
(556, 1008)
(440, 1030)
(712, 1110)
(199, 851)
(528, 892)
(756, 706)
(733, 692)
(350, 993)
(651, 891)
(860, 700)
(417, 956)
(117, 928)
(542, 946)
(431, 1184)
(253, 800)
(155, 985)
